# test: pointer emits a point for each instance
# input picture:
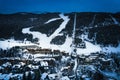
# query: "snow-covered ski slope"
(44, 40)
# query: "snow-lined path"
(51, 20)
(61, 27)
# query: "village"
(34, 63)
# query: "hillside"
(56, 29)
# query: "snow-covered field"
(9, 43)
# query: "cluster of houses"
(56, 65)
(38, 50)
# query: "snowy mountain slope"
(44, 41)
(53, 30)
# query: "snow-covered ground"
(44, 41)
(111, 74)
(7, 76)
(65, 78)
(61, 27)
(90, 48)
(111, 49)
(9, 43)
(51, 20)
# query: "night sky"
(12, 6)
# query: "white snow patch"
(7, 76)
(111, 49)
(75, 66)
(51, 20)
(90, 48)
(61, 27)
(44, 75)
(65, 78)
(6, 44)
(111, 74)
(52, 76)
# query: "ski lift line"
(93, 21)
(73, 37)
(74, 27)
(73, 53)
(114, 20)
